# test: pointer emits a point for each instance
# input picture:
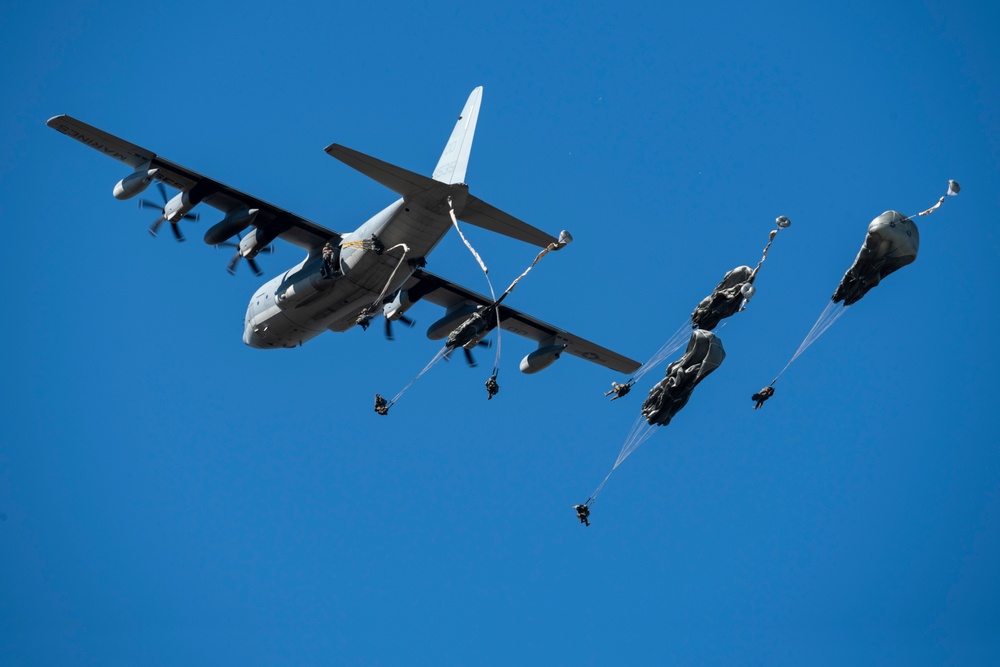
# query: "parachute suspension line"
(826, 319)
(639, 433)
(674, 343)
(486, 272)
(437, 357)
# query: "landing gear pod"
(541, 358)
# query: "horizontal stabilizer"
(401, 181)
(479, 213)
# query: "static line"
(486, 272)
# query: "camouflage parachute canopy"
(703, 355)
(892, 243)
(725, 299)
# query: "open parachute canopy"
(726, 299)
(703, 355)
(892, 243)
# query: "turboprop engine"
(234, 223)
(181, 204)
(450, 321)
(401, 302)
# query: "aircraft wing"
(446, 294)
(273, 221)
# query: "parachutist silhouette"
(762, 395)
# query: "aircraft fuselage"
(301, 303)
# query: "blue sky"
(169, 496)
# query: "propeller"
(252, 263)
(469, 359)
(388, 325)
(145, 203)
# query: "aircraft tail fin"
(450, 170)
(455, 158)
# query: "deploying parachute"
(734, 292)
(891, 243)
(703, 355)
(477, 325)
(729, 297)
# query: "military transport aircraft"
(365, 269)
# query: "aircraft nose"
(253, 339)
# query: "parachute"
(891, 243)
(703, 355)
(734, 292)
(479, 324)
(729, 297)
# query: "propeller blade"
(176, 229)
(191, 216)
(253, 267)
(145, 203)
(469, 358)
(163, 193)
(156, 225)
(406, 320)
(231, 267)
(388, 329)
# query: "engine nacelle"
(179, 206)
(234, 223)
(253, 243)
(400, 303)
(134, 183)
(541, 358)
(450, 322)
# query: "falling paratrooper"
(892, 242)
(703, 355)
(729, 297)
